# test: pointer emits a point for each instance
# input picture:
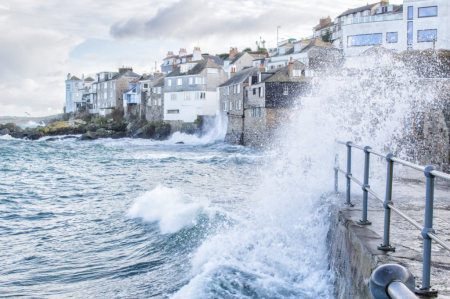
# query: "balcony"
(131, 99)
(375, 18)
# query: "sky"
(44, 40)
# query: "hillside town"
(256, 91)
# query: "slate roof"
(282, 74)
(216, 59)
(235, 58)
(74, 78)
(197, 69)
(325, 26)
(126, 74)
(89, 79)
(239, 77)
(359, 9)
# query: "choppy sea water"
(143, 219)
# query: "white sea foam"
(7, 137)
(169, 207)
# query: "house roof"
(282, 74)
(359, 9)
(126, 74)
(325, 26)
(197, 69)
(216, 59)
(89, 79)
(236, 57)
(74, 78)
(239, 77)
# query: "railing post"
(336, 173)
(426, 286)
(365, 185)
(349, 171)
(387, 211)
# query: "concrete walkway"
(409, 198)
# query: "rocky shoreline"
(100, 127)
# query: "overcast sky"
(43, 40)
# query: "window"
(105, 95)
(159, 90)
(110, 94)
(187, 95)
(239, 89)
(365, 40)
(200, 80)
(159, 102)
(425, 12)
(254, 91)
(392, 37)
(246, 93)
(410, 12)
(175, 111)
(261, 92)
(414, 125)
(285, 90)
(234, 89)
(145, 85)
(426, 35)
(105, 85)
(173, 96)
(200, 95)
(114, 85)
(240, 105)
(256, 112)
(76, 84)
(180, 81)
(191, 81)
(224, 106)
(169, 82)
(410, 33)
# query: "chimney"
(68, 76)
(169, 54)
(233, 52)
(197, 54)
(82, 77)
(324, 21)
(174, 64)
(183, 52)
(124, 69)
(291, 68)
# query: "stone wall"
(235, 129)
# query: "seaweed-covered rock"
(4, 132)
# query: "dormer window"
(110, 76)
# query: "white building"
(191, 91)
(76, 92)
(415, 25)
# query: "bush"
(66, 117)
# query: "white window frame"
(180, 81)
(169, 82)
(239, 88)
(187, 96)
(191, 81)
(173, 97)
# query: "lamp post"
(278, 27)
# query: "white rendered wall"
(373, 28)
(441, 23)
(189, 109)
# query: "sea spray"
(169, 207)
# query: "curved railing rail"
(427, 231)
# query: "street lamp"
(277, 34)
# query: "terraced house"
(155, 101)
(191, 91)
(232, 104)
(111, 87)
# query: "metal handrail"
(427, 231)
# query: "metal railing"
(427, 232)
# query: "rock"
(52, 139)
(89, 136)
(101, 131)
(10, 126)
(110, 121)
(34, 135)
(4, 132)
(68, 137)
(180, 142)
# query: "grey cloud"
(193, 19)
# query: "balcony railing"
(375, 18)
(131, 99)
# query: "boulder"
(4, 132)
(10, 126)
(34, 135)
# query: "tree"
(328, 36)
(248, 49)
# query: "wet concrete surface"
(410, 199)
